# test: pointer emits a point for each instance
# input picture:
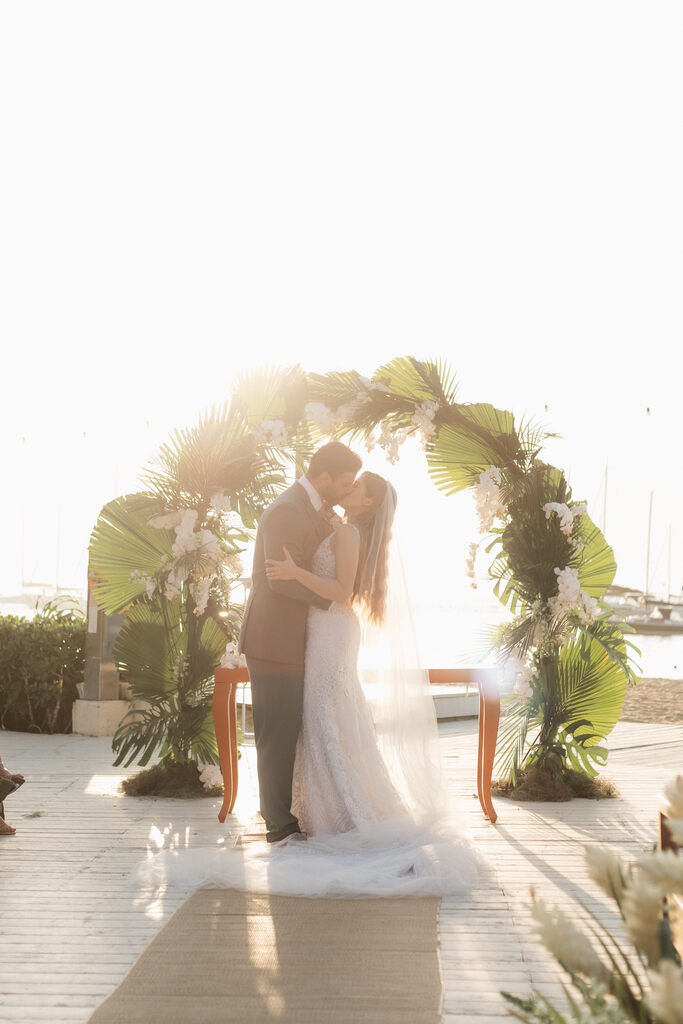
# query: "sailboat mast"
(668, 572)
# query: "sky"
(188, 190)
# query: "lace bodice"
(324, 562)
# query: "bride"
(367, 787)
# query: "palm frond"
(591, 688)
(470, 439)
(595, 559)
(122, 544)
(512, 738)
(419, 380)
(271, 393)
(169, 668)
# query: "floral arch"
(169, 554)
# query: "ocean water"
(455, 635)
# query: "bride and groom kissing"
(319, 767)
(349, 772)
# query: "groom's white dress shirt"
(316, 500)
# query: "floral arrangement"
(643, 985)
(169, 557)
(563, 656)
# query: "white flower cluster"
(149, 581)
(232, 657)
(180, 668)
(389, 439)
(522, 686)
(521, 673)
(487, 498)
(174, 581)
(423, 418)
(470, 565)
(165, 521)
(373, 385)
(189, 540)
(221, 501)
(271, 432)
(185, 537)
(200, 594)
(566, 514)
(210, 775)
(570, 597)
(327, 420)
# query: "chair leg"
(226, 739)
(232, 729)
(489, 734)
(480, 754)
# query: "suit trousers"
(277, 694)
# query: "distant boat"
(647, 614)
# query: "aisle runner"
(234, 956)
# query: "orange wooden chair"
(225, 722)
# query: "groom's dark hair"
(334, 458)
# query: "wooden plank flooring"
(72, 920)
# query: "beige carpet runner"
(235, 956)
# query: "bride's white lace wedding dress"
(364, 839)
(340, 780)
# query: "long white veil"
(396, 683)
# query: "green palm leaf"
(273, 393)
(122, 543)
(471, 439)
(419, 380)
(338, 387)
(218, 453)
(176, 715)
(595, 563)
(590, 688)
(147, 649)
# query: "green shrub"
(41, 661)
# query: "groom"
(273, 635)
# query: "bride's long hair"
(374, 524)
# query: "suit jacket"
(274, 623)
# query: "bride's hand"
(285, 570)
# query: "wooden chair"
(225, 722)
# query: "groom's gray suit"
(273, 638)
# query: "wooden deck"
(72, 922)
